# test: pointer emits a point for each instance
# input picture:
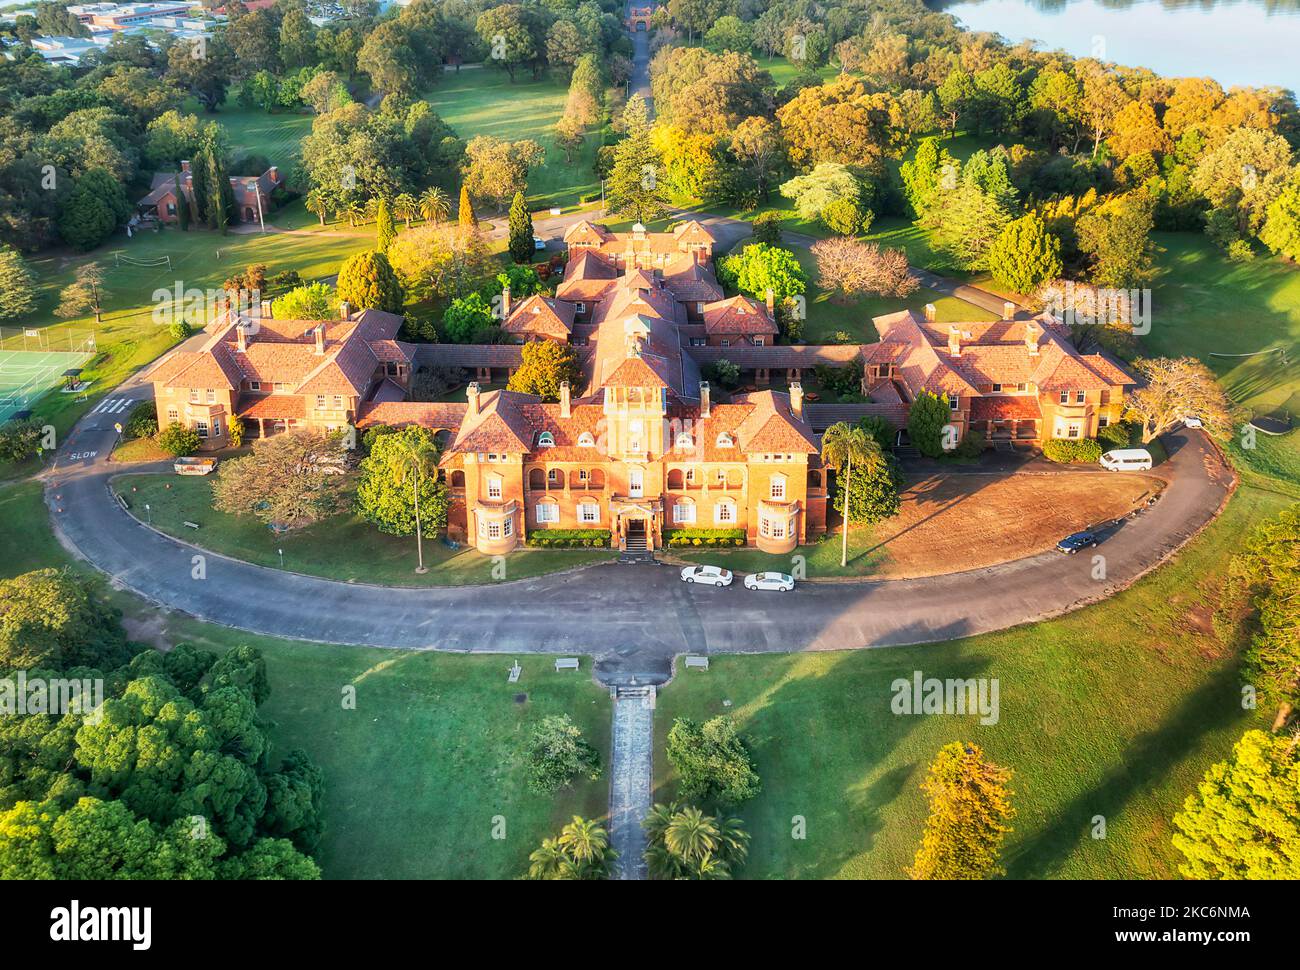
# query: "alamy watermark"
(931, 695)
(20, 695)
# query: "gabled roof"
(771, 425)
(499, 426)
(739, 314)
(541, 315)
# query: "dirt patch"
(949, 523)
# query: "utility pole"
(419, 533)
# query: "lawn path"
(630, 774)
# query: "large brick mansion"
(644, 445)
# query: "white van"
(1126, 460)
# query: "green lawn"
(278, 136)
(784, 71)
(344, 547)
(482, 101)
(416, 773)
(1115, 710)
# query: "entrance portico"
(636, 523)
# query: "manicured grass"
(278, 136)
(138, 450)
(784, 71)
(1112, 711)
(416, 773)
(482, 101)
(344, 547)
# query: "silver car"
(780, 582)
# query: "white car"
(1192, 422)
(708, 575)
(777, 581)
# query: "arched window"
(585, 440)
(724, 440)
(776, 488)
(457, 478)
(536, 478)
(814, 480)
(683, 511)
(546, 440)
(555, 478)
(685, 441)
(724, 513)
(674, 478)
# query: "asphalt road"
(632, 618)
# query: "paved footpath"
(631, 771)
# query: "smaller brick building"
(252, 194)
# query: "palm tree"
(584, 839)
(413, 457)
(406, 207)
(317, 205)
(354, 210)
(435, 204)
(691, 835)
(548, 862)
(842, 446)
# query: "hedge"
(1066, 451)
(705, 537)
(569, 538)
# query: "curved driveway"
(633, 618)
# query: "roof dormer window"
(585, 440)
(724, 440)
(546, 440)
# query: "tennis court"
(27, 376)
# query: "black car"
(1080, 540)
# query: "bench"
(121, 500)
(515, 671)
(191, 525)
(566, 663)
(700, 662)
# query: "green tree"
(367, 281)
(633, 188)
(435, 204)
(873, 494)
(521, 230)
(546, 365)
(93, 210)
(385, 231)
(466, 317)
(970, 807)
(1268, 565)
(288, 479)
(17, 285)
(1116, 237)
(557, 754)
(53, 619)
(1281, 232)
(965, 221)
(758, 268)
(1243, 821)
(711, 761)
(406, 207)
(843, 446)
(1025, 255)
(926, 419)
(398, 489)
(314, 301)
(86, 294)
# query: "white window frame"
(588, 512)
(683, 513)
(546, 440)
(724, 513)
(202, 428)
(724, 440)
(494, 488)
(776, 487)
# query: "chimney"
(771, 303)
(796, 399)
(274, 172)
(1031, 338)
(267, 314)
(565, 410)
(704, 399)
(345, 310)
(1009, 310)
(505, 302)
(320, 338)
(241, 338)
(185, 166)
(931, 312)
(954, 341)
(471, 393)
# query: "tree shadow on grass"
(1141, 768)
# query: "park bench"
(566, 663)
(121, 500)
(191, 525)
(515, 671)
(700, 662)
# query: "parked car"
(1126, 460)
(1192, 421)
(708, 575)
(539, 243)
(777, 581)
(1080, 540)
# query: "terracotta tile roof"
(399, 414)
(541, 315)
(642, 371)
(499, 427)
(272, 407)
(782, 356)
(387, 391)
(586, 232)
(691, 281)
(739, 314)
(822, 416)
(583, 418)
(1005, 408)
(469, 355)
(772, 427)
(693, 232)
(392, 351)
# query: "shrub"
(1114, 436)
(1070, 452)
(569, 538)
(701, 537)
(19, 439)
(142, 422)
(178, 440)
(971, 445)
(711, 761)
(181, 330)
